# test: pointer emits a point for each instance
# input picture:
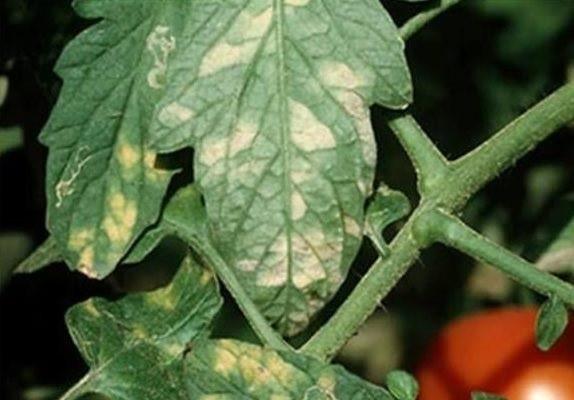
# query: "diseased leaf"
(47, 253)
(402, 385)
(274, 97)
(102, 185)
(135, 346)
(551, 322)
(387, 207)
(228, 369)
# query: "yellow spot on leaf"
(128, 155)
(225, 360)
(86, 263)
(80, 238)
(352, 227)
(307, 132)
(275, 274)
(338, 74)
(174, 114)
(298, 206)
(120, 221)
(242, 137)
(224, 55)
(212, 151)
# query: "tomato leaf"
(47, 253)
(387, 207)
(230, 369)
(551, 322)
(103, 186)
(402, 385)
(135, 346)
(486, 396)
(274, 97)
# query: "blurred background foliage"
(475, 68)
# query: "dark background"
(475, 68)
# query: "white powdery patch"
(352, 227)
(212, 151)
(338, 74)
(242, 138)
(250, 26)
(356, 107)
(307, 132)
(308, 267)
(276, 272)
(160, 44)
(248, 173)
(174, 114)
(224, 54)
(298, 206)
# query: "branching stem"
(451, 231)
(449, 192)
(429, 163)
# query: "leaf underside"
(274, 97)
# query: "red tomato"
(495, 352)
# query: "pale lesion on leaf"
(160, 44)
(64, 187)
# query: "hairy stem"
(199, 242)
(451, 231)
(430, 165)
(450, 193)
(366, 296)
(489, 160)
(414, 24)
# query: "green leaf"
(551, 322)
(102, 184)
(387, 207)
(486, 396)
(135, 346)
(47, 253)
(274, 97)
(402, 385)
(228, 369)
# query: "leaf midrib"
(278, 11)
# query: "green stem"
(450, 193)
(414, 24)
(480, 166)
(430, 165)
(204, 248)
(451, 231)
(366, 296)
